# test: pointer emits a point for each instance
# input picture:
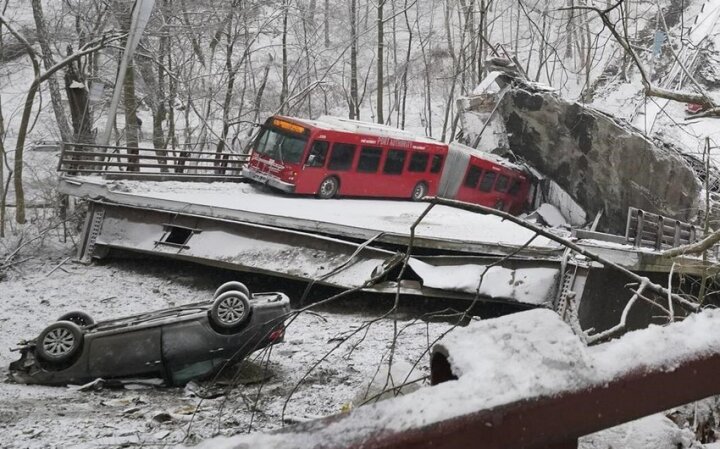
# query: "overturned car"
(176, 344)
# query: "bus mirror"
(310, 160)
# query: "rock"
(601, 162)
(162, 417)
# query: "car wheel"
(328, 188)
(59, 342)
(230, 310)
(82, 319)
(232, 285)
(419, 191)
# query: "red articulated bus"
(332, 156)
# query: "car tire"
(419, 191)
(232, 285)
(82, 319)
(230, 311)
(328, 188)
(59, 342)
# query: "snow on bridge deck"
(443, 228)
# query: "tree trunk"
(232, 72)
(55, 95)
(19, 150)
(406, 66)
(3, 191)
(284, 91)
(327, 23)
(79, 101)
(482, 33)
(380, 61)
(2, 167)
(131, 118)
(354, 102)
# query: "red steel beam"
(541, 423)
(557, 422)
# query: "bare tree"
(39, 78)
(380, 60)
(3, 191)
(284, 90)
(623, 40)
(354, 99)
(43, 38)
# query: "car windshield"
(281, 147)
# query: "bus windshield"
(281, 147)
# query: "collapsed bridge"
(455, 254)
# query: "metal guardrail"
(117, 162)
(655, 231)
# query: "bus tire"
(419, 191)
(328, 188)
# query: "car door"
(126, 352)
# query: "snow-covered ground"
(35, 416)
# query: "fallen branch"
(58, 266)
(694, 248)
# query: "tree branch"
(694, 248)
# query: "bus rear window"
(472, 177)
(418, 162)
(369, 160)
(502, 183)
(394, 162)
(341, 157)
(488, 180)
(281, 147)
(436, 165)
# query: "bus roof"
(332, 123)
(457, 146)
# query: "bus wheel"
(419, 191)
(328, 188)
(499, 205)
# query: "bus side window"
(394, 162)
(342, 156)
(418, 162)
(487, 182)
(437, 163)
(369, 160)
(318, 154)
(502, 184)
(472, 177)
(514, 187)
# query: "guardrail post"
(639, 228)
(660, 232)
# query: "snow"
(357, 126)
(551, 215)
(48, 417)
(547, 358)
(528, 285)
(654, 431)
(394, 217)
